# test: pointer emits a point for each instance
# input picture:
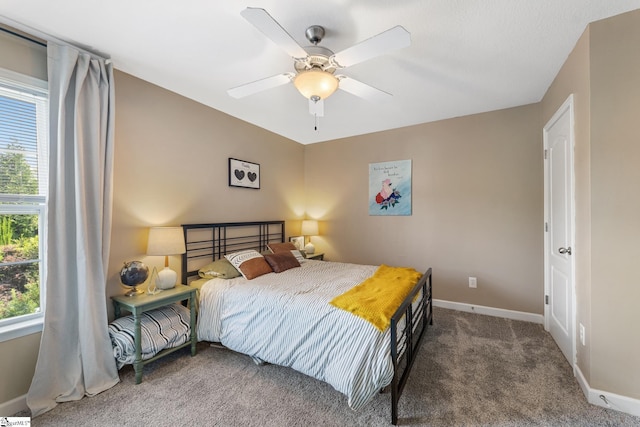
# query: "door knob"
(565, 250)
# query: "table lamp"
(309, 228)
(166, 241)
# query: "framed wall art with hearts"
(244, 174)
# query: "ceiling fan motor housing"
(318, 58)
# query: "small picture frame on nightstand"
(298, 242)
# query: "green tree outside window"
(19, 245)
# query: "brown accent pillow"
(250, 263)
(255, 267)
(282, 261)
(281, 247)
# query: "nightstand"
(138, 304)
(318, 256)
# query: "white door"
(559, 229)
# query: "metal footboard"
(408, 325)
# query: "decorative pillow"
(299, 256)
(221, 269)
(282, 261)
(250, 263)
(281, 247)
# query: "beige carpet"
(472, 370)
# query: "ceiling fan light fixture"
(315, 82)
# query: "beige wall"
(18, 357)
(615, 204)
(23, 56)
(477, 205)
(171, 168)
(17, 365)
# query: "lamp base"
(309, 248)
(166, 279)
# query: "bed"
(286, 318)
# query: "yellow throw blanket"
(378, 297)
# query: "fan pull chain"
(315, 99)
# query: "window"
(23, 201)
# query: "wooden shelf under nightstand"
(138, 304)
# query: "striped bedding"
(286, 319)
(164, 327)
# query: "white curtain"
(76, 358)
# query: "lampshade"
(309, 227)
(166, 241)
(315, 82)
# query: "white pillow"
(296, 253)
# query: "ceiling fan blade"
(316, 108)
(392, 39)
(363, 90)
(260, 85)
(270, 28)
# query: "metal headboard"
(208, 242)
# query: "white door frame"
(567, 105)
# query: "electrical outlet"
(582, 335)
(473, 282)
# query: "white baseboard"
(490, 311)
(606, 399)
(13, 406)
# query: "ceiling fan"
(315, 66)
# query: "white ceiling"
(466, 56)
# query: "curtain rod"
(44, 36)
(22, 36)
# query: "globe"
(133, 273)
